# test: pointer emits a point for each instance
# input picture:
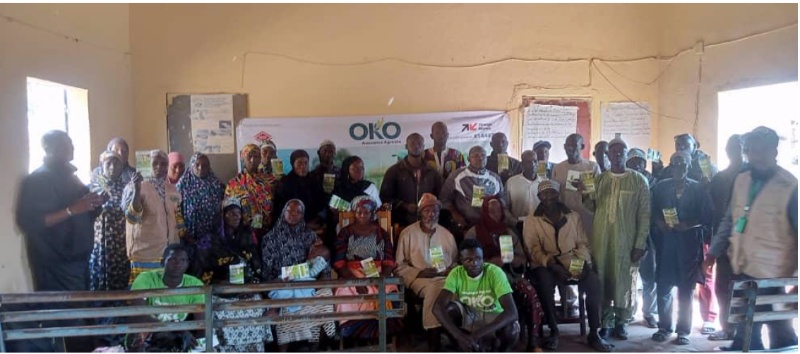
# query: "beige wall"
(45, 53)
(202, 48)
(759, 60)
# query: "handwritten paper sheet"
(550, 123)
(212, 123)
(630, 119)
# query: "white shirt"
(522, 195)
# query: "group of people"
(486, 240)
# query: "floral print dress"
(109, 266)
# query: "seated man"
(426, 253)
(475, 306)
(559, 252)
(175, 261)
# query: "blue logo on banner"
(375, 131)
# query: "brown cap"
(427, 200)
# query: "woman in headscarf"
(299, 183)
(351, 182)
(356, 245)
(177, 167)
(254, 190)
(202, 193)
(152, 209)
(109, 264)
(233, 243)
(268, 152)
(290, 243)
(488, 231)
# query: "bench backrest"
(745, 297)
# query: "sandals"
(720, 335)
(661, 336)
(708, 328)
(683, 339)
(599, 344)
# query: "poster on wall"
(212, 123)
(630, 119)
(379, 140)
(550, 123)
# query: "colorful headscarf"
(254, 190)
(246, 151)
(365, 202)
(201, 198)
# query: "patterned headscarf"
(285, 245)
(246, 151)
(201, 198)
(365, 202)
(158, 182)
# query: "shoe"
(620, 332)
(720, 335)
(708, 328)
(603, 332)
(650, 322)
(661, 336)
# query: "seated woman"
(243, 339)
(355, 245)
(289, 243)
(175, 262)
(488, 231)
(233, 243)
(348, 185)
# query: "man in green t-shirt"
(475, 306)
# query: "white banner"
(632, 120)
(378, 140)
(550, 123)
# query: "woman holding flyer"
(364, 250)
(502, 247)
(285, 251)
(254, 189)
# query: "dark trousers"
(664, 299)
(781, 333)
(546, 282)
(722, 287)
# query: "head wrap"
(548, 184)
(488, 229)
(175, 157)
(427, 200)
(246, 151)
(269, 143)
(231, 202)
(296, 155)
(636, 152)
(108, 154)
(542, 143)
(158, 153)
(327, 142)
(363, 201)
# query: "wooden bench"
(78, 306)
(745, 297)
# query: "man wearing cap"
(687, 143)
(426, 252)
(440, 157)
(499, 146)
(542, 150)
(559, 251)
(406, 181)
(682, 213)
(721, 189)
(463, 192)
(759, 231)
(621, 206)
(601, 155)
(637, 161)
(521, 189)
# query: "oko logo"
(379, 130)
